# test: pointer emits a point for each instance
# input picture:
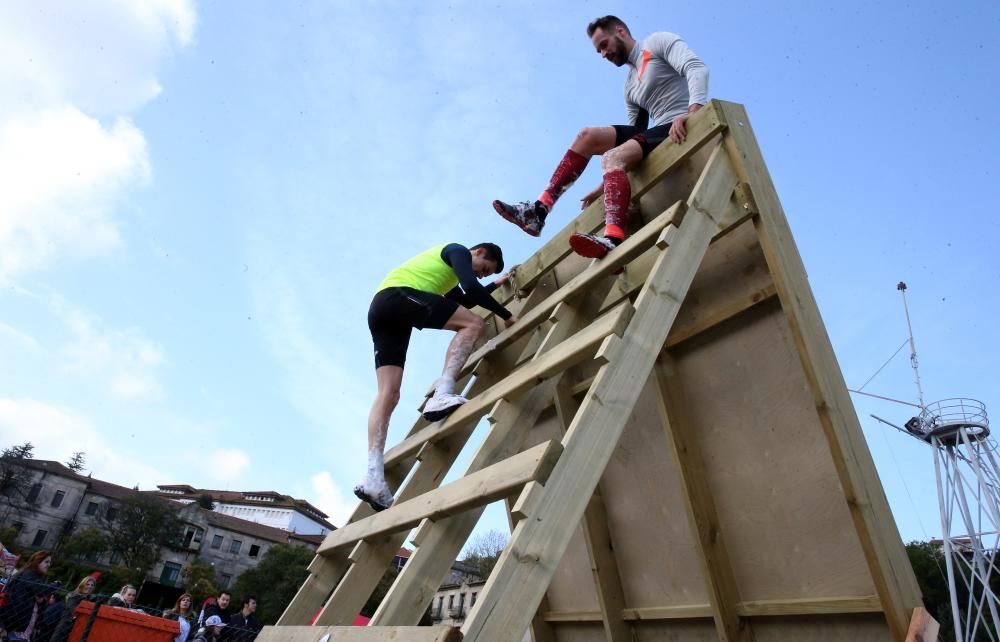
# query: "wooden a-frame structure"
(671, 432)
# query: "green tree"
(275, 579)
(77, 462)
(15, 480)
(205, 501)
(139, 526)
(84, 544)
(484, 550)
(199, 580)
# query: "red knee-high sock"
(568, 170)
(617, 195)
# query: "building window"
(36, 490)
(18, 527)
(235, 546)
(112, 513)
(115, 559)
(217, 541)
(473, 600)
(226, 579)
(451, 600)
(192, 537)
(91, 509)
(39, 538)
(254, 550)
(57, 499)
(171, 573)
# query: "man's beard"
(618, 57)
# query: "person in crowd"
(220, 607)
(27, 593)
(125, 598)
(212, 630)
(183, 613)
(244, 625)
(51, 611)
(84, 591)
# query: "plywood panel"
(780, 504)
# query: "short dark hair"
(246, 600)
(225, 592)
(493, 253)
(606, 23)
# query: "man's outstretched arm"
(472, 292)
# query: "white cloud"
(58, 432)
(331, 499)
(124, 359)
(68, 74)
(227, 463)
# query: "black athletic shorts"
(648, 139)
(394, 313)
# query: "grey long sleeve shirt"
(665, 78)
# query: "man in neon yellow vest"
(434, 289)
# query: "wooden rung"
(569, 352)
(631, 248)
(359, 634)
(479, 488)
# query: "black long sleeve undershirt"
(470, 292)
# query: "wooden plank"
(480, 488)
(632, 247)
(526, 566)
(923, 627)
(603, 565)
(440, 542)
(702, 128)
(810, 606)
(713, 554)
(890, 569)
(359, 634)
(758, 608)
(720, 315)
(554, 361)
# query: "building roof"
(237, 525)
(267, 498)
(95, 486)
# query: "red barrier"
(115, 623)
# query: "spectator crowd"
(34, 609)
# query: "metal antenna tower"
(968, 484)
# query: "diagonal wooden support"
(481, 487)
(526, 566)
(720, 582)
(439, 544)
(359, 634)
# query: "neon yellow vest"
(426, 271)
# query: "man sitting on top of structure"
(667, 81)
(431, 290)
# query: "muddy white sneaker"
(440, 406)
(527, 215)
(378, 497)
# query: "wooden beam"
(359, 634)
(477, 489)
(887, 561)
(758, 608)
(603, 565)
(525, 568)
(716, 567)
(554, 361)
(632, 247)
(720, 315)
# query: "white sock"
(375, 478)
(445, 386)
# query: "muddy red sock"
(617, 195)
(568, 170)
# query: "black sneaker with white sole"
(528, 216)
(378, 500)
(440, 406)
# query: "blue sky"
(198, 199)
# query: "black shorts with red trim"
(394, 313)
(648, 139)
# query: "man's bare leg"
(374, 489)
(468, 327)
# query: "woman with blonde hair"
(82, 592)
(183, 614)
